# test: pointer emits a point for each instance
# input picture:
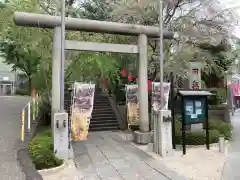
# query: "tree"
(23, 48)
(195, 21)
(21, 59)
(96, 10)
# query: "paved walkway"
(105, 155)
(10, 114)
(231, 168)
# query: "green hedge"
(41, 151)
(216, 129)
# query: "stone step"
(106, 128)
(103, 124)
(102, 110)
(107, 114)
(102, 118)
(104, 121)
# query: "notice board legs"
(183, 128)
(207, 126)
(172, 98)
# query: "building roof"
(194, 93)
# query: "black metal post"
(172, 93)
(183, 127)
(70, 91)
(207, 125)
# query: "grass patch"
(41, 150)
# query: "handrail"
(32, 109)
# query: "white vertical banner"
(156, 95)
(82, 110)
(132, 104)
(194, 75)
(156, 99)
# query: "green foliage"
(2, 5)
(41, 151)
(45, 111)
(96, 10)
(219, 96)
(216, 129)
(223, 128)
(219, 56)
(23, 48)
(22, 92)
(25, 60)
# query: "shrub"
(223, 128)
(22, 92)
(219, 97)
(216, 128)
(41, 151)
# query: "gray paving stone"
(114, 158)
(119, 163)
(133, 176)
(127, 171)
(162, 169)
(232, 163)
(109, 152)
(100, 164)
(113, 178)
(79, 148)
(88, 171)
(107, 171)
(157, 177)
(82, 161)
(91, 177)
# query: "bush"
(216, 128)
(41, 151)
(223, 128)
(219, 97)
(45, 112)
(22, 92)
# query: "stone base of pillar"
(163, 133)
(141, 137)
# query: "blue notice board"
(194, 110)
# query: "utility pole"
(62, 56)
(161, 53)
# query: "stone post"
(142, 136)
(56, 60)
(142, 83)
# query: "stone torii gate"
(75, 24)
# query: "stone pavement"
(231, 168)
(67, 172)
(105, 155)
(198, 164)
(10, 117)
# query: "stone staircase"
(103, 117)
